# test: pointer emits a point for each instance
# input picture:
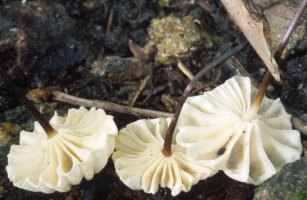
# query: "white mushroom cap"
(140, 163)
(249, 146)
(84, 141)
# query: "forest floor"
(82, 47)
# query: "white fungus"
(80, 148)
(222, 130)
(140, 163)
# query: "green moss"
(298, 195)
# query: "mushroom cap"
(140, 163)
(84, 141)
(219, 132)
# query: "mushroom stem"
(171, 129)
(39, 117)
(249, 115)
(267, 78)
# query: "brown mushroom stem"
(251, 113)
(259, 96)
(19, 94)
(171, 129)
(267, 78)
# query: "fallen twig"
(110, 21)
(54, 94)
(66, 98)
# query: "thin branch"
(110, 21)
(66, 98)
(291, 27)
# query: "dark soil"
(44, 43)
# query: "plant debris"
(58, 43)
(254, 32)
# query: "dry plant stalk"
(253, 31)
(53, 93)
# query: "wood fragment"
(185, 70)
(138, 51)
(66, 98)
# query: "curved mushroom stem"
(171, 129)
(251, 113)
(267, 78)
(259, 96)
(39, 117)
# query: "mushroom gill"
(223, 129)
(140, 163)
(80, 148)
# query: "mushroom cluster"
(140, 163)
(79, 148)
(224, 130)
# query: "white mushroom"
(80, 147)
(140, 163)
(249, 143)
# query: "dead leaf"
(253, 31)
